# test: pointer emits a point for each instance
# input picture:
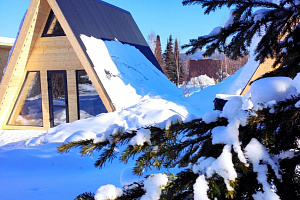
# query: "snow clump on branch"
(153, 186)
(266, 91)
(108, 192)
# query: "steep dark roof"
(105, 21)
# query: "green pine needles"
(276, 24)
(264, 157)
(183, 144)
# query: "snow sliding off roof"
(104, 21)
(50, 48)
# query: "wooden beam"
(261, 69)
(11, 127)
(72, 95)
(9, 93)
(45, 99)
(82, 56)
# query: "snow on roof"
(126, 74)
(143, 96)
(104, 21)
(7, 41)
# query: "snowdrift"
(143, 96)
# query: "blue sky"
(163, 17)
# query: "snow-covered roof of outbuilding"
(5, 41)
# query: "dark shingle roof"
(105, 21)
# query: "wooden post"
(45, 99)
(72, 95)
(14, 75)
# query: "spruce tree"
(158, 54)
(178, 64)
(271, 131)
(169, 59)
(277, 24)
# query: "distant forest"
(176, 64)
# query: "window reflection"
(89, 101)
(28, 108)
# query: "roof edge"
(111, 5)
(6, 45)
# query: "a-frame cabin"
(262, 69)
(40, 88)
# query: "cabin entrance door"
(58, 98)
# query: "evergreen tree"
(277, 24)
(178, 64)
(207, 165)
(170, 61)
(158, 54)
(186, 145)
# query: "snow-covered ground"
(31, 168)
(196, 84)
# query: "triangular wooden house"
(262, 69)
(49, 60)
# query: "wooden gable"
(36, 51)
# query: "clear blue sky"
(163, 17)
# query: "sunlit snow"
(142, 97)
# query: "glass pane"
(90, 103)
(59, 115)
(53, 27)
(28, 108)
(58, 89)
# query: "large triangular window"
(53, 27)
(89, 102)
(28, 107)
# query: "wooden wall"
(35, 53)
(4, 53)
(56, 53)
(53, 53)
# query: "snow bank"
(196, 84)
(142, 96)
(126, 74)
(273, 88)
(232, 85)
(18, 138)
(147, 112)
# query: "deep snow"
(31, 168)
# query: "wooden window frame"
(47, 26)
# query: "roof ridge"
(100, 1)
